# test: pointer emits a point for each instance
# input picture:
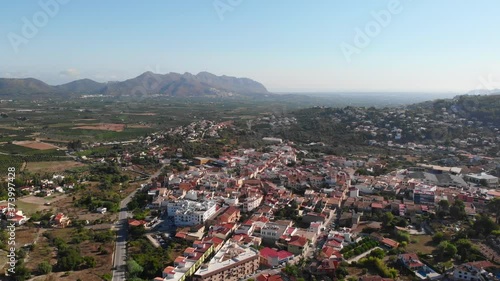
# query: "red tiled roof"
(168, 269)
(132, 222)
(298, 241)
(389, 242)
(481, 264)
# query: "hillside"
(148, 83)
(471, 122)
(25, 86)
(483, 108)
(83, 86)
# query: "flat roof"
(230, 254)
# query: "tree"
(44, 268)
(387, 219)
(134, 268)
(465, 250)
(378, 253)
(21, 272)
(483, 226)
(446, 250)
(457, 210)
(89, 262)
(68, 258)
(494, 207)
(444, 205)
(438, 237)
(402, 236)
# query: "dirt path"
(25, 163)
(38, 234)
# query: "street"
(120, 253)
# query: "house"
(411, 261)
(421, 270)
(327, 267)
(230, 215)
(328, 252)
(473, 271)
(271, 257)
(297, 245)
(389, 243)
(17, 217)
(61, 220)
(272, 231)
(135, 223)
(313, 217)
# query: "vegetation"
(380, 265)
(358, 248)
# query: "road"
(120, 253)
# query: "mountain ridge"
(148, 83)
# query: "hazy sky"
(288, 45)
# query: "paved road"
(120, 253)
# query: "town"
(279, 211)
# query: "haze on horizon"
(288, 45)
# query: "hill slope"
(148, 83)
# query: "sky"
(288, 45)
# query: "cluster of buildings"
(291, 203)
(260, 184)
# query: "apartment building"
(187, 212)
(231, 263)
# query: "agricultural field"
(106, 119)
(31, 204)
(102, 127)
(35, 145)
(52, 166)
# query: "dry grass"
(36, 145)
(423, 244)
(44, 251)
(103, 127)
(52, 166)
(31, 204)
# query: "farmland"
(51, 166)
(35, 145)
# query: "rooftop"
(230, 254)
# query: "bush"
(378, 253)
(44, 268)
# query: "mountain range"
(148, 83)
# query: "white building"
(272, 231)
(231, 263)
(482, 178)
(187, 213)
(353, 192)
(473, 271)
(252, 203)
